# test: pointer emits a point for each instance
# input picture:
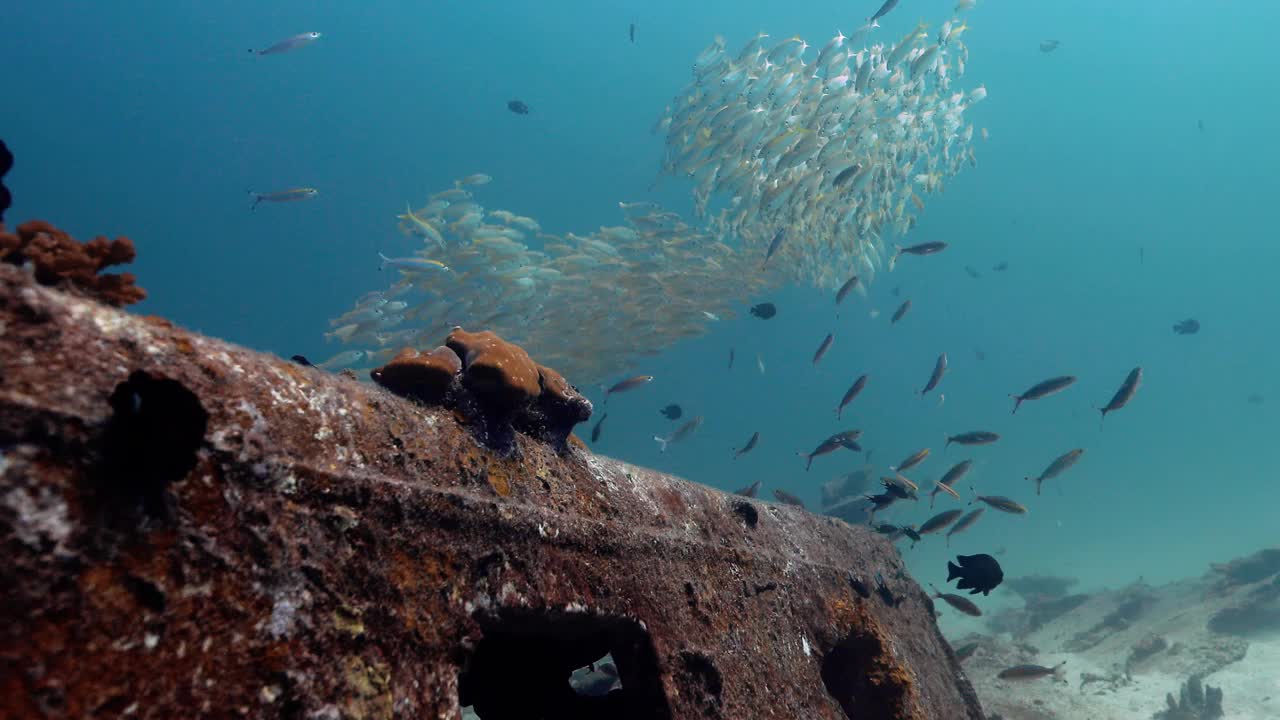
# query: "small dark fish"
(1058, 466)
(672, 412)
(595, 431)
(823, 348)
(882, 587)
(852, 393)
(859, 587)
(632, 32)
(887, 529)
(978, 353)
(968, 269)
(911, 533)
(301, 360)
(880, 502)
(913, 460)
(1029, 672)
(1001, 503)
(846, 175)
(764, 311)
(518, 107)
(1125, 393)
(1048, 46)
(751, 445)
(1255, 399)
(959, 602)
(940, 521)
(730, 358)
(976, 437)
(896, 291)
(939, 368)
(964, 523)
(966, 651)
(977, 573)
(884, 10)
(774, 244)
(928, 248)
(1049, 387)
(833, 443)
(787, 498)
(629, 384)
(902, 310)
(898, 487)
(1190, 326)
(846, 288)
(1001, 267)
(750, 490)
(1200, 124)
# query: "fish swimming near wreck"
(847, 439)
(900, 312)
(912, 460)
(950, 478)
(764, 311)
(975, 437)
(1058, 466)
(823, 348)
(939, 368)
(671, 412)
(787, 498)
(282, 196)
(1031, 672)
(851, 393)
(628, 385)
(964, 523)
(289, 43)
(1190, 326)
(751, 444)
(940, 521)
(681, 433)
(749, 491)
(846, 288)
(1044, 389)
(1001, 503)
(977, 573)
(959, 602)
(599, 426)
(1126, 392)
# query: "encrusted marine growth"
(1196, 702)
(491, 382)
(6, 162)
(58, 259)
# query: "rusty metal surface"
(339, 552)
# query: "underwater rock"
(336, 551)
(1246, 570)
(60, 260)
(1259, 612)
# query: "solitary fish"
(750, 490)
(629, 384)
(950, 478)
(965, 523)
(672, 412)
(966, 651)
(751, 445)
(846, 288)
(852, 393)
(785, 497)
(776, 243)
(1125, 393)
(632, 32)
(928, 248)
(518, 107)
(1001, 503)
(1044, 389)
(1030, 672)
(939, 368)
(293, 43)
(902, 310)
(959, 602)
(976, 437)
(1058, 466)
(301, 360)
(847, 439)
(764, 311)
(977, 573)
(913, 460)
(939, 521)
(1048, 46)
(730, 358)
(884, 10)
(823, 348)
(595, 431)
(681, 433)
(279, 196)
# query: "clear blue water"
(153, 121)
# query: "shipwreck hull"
(328, 550)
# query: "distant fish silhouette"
(1190, 326)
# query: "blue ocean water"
(1117, 214)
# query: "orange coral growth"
(422, 376)
(60, 260)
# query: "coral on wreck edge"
(60, 260)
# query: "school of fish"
(805, 164)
